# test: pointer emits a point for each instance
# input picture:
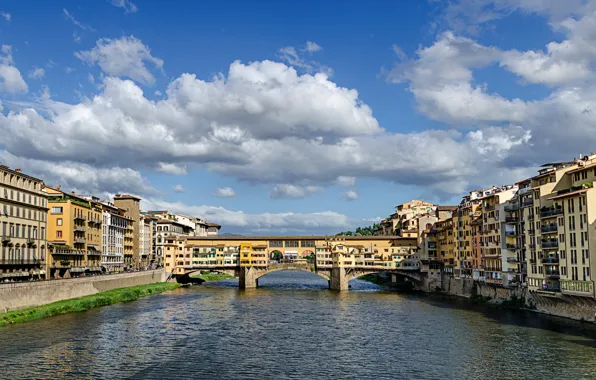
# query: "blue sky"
(286, 117)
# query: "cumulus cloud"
(350, 195)
(82, 178)
(127, 5)
(179, 188)
(225, 192)
(296, 58)
(347, 181)
(294, 191)
(11, 80)
(325, 222)
(123, 57)
(170, 168)
(37, 73)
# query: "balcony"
(512, 260)
(550, 260)
(512, 247)
(511, 233)
(553, 274)
(551, 212)
(79, 217)
(512, 219)
(5, 238)
(80, 229)
(30, 241)
(532, 231)
(19, 262)
(512, 208)
(527, 203)
(80, 240)
(550, 244)
(531, 217)
(549, 228)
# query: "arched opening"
(276, 256)
(293, 279)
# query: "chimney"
(18, 170)
(72, 193)
(58, 187)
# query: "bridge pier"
(339, 280)
(248, 278)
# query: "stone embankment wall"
(28, 294)
(574, 307)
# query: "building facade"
(132, 209)
(74, 234)
(23, 223)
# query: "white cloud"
(294, 191)
(225, 192)
(123, 57)
(11, 80)
(7, 16)
(90, 78)
(157, 93)
(350, 195)
(312, 47)
(290, 55)
(127, 5)
(347, 181)
(37, 73)
(76, 37)
(325, 222)
(170, 168)
(179, 189)
(69, 70)
(82, 178)
(70, 16)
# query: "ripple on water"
(293, 328)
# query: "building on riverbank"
(74, 234)
(23, 220)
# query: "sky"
(294, 117)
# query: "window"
(56, 210)
(58, 234)
(59, 221)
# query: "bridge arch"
(276, 255)
(325, 274)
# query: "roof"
(569, 194)
(19, 172)
(446, 208)
(213, 225)
(314, 237)
(126, 196)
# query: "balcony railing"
(531, 217)
(80, 217)
(527, 203)
(550, 260)
(20, 262)
(550, 244)
(512, 219)
(511, 233)
(30, 240)
(80, 240)
(5, 238)
(512, 260)
(512, 246)
(511, 208)
(549, 228)
(550, 212)
(553, 274)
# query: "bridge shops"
(242, 255)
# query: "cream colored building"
(146, 238)
(23, 220)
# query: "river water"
(292, 327)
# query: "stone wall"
(27, 294)
(574, 307)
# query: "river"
(292, 327)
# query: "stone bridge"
(338, 277)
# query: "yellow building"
(23, 216)
(75, 235)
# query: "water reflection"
(292, 327)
